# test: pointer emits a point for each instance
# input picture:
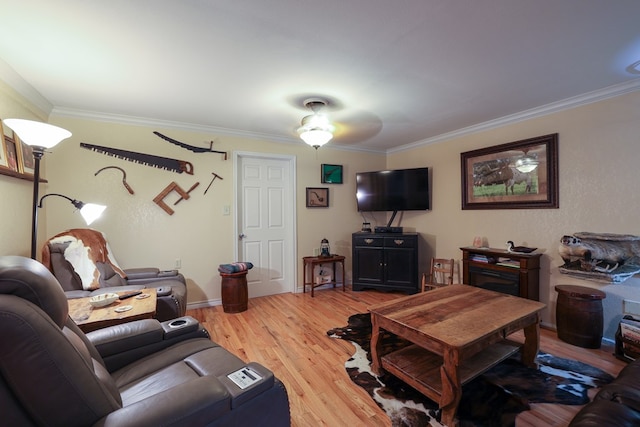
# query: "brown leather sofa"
(616, 404)
(142, 373)
(108, 276)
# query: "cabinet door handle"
(368, 241)
(398, 242)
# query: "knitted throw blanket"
(235, 267)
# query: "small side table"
(312, 261)
(579, 316)
(235, 295)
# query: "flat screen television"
(393, 190)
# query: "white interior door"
(265, 219)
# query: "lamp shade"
(37, 134)
(90, 212)
(316, 137)
(316, 130)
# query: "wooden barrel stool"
(579, 315)
(235, 296)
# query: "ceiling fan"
(316, 129)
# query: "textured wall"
(198, 233)
(598, 157)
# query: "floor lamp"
(89, 211)
(40, 136)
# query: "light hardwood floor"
(287, 334)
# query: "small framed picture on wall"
(10, 160)
(4, 161)
(25, 157)
(317, 197)
(331, 174)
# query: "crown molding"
(15, 81)
(23, 88)
(190, 127)
(554, 107)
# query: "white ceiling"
(396, 73)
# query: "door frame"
(292, 230)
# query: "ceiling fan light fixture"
(316, 137)
(316, 129)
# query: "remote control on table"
(129, 295)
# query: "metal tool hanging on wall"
(215, 175)
(124, 177)
(191, 147)
(165, 163)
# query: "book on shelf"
(482, 258)
(508, 262)
(628, 338)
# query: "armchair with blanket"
(83, 263)
(142, 373)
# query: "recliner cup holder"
(177, 323)
(180, 326)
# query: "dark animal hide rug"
(492, 399)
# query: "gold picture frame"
(26, 161)
(10, 152)
(4, 161)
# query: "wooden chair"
(441, 274)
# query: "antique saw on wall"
(191, 147)
(165, 163)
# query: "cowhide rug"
(493, 399)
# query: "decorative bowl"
(103, 299)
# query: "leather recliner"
(142, 373)
(104, 275)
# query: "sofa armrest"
(77, 294)
(126, 336)
(151, 274)
(123, 344)
(197, 402)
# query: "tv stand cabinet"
(385, 261)
(513, 273)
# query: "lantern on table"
(325, 251)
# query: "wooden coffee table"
(458, 332)
(90, 318)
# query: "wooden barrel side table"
(579, 317)
(235, 295)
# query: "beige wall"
(598, 154)
(599, 151)
(198, 233)
(16, 195)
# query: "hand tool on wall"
(193, 187)
(215, 175)
(124, 177)
(165, 163)
(159, 199)
(191, 147)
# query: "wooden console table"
(311, 261)
(458, 333)
(513, 273)
(89, 318)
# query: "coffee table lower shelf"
(420, 368)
